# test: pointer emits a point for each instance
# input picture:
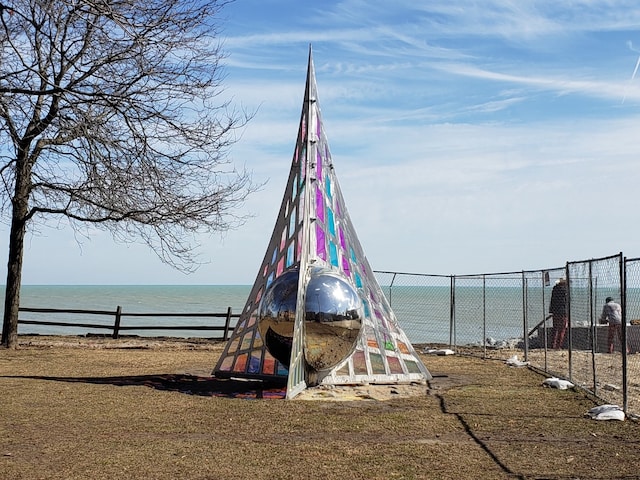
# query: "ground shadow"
(182, 383)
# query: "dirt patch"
(103, 409)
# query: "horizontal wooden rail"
(117, 326)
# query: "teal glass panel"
(327, 187)
(292, 223)
(290, 254)
(333, 254)
(330, 222)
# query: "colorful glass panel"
(319, 204)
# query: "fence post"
(484, 316)
(226, 325)
(452, 310)
(569, 321)
(624, 344)
(116, 325)
(525, 315)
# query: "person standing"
(558, 310)
(612, 315)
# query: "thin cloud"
(609, 90)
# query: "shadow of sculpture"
(182, 383)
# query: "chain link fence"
(502, 315)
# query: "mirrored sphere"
(333, 318)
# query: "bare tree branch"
(110, 116)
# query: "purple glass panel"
(283, 239)
(321, 247)
(254, 362)
(343, 243)
(280, 267)
(345, 266)
(319, 204)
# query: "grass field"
(87, 408)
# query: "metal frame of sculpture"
(316, 313)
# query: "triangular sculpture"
(316, 313)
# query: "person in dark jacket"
(558, 309)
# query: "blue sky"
(468, 137)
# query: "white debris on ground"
(509, 343)
(606, 412)
(611, 387)
(438, 351)
(514, 362)
(558, 383)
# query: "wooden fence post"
(116, 325)
(226, 324)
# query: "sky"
(467, 137)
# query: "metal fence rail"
(499, 315)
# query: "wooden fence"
(118, 314)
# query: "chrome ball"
(333, 318)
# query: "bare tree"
(110, 113)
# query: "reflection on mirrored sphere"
(333, 318)
(277, 314)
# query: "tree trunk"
(14, 278)
(16, 251)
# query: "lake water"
(131, 299)
(422, 311)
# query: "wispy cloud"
(467, 136)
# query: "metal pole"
(569, 323)
(525, 319)
(484, 314)
(391, 286)
(593, 283)
(624, 346)
(544, 315)
(452, 309)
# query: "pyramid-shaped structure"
(313, 231)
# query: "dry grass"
(91, 408)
